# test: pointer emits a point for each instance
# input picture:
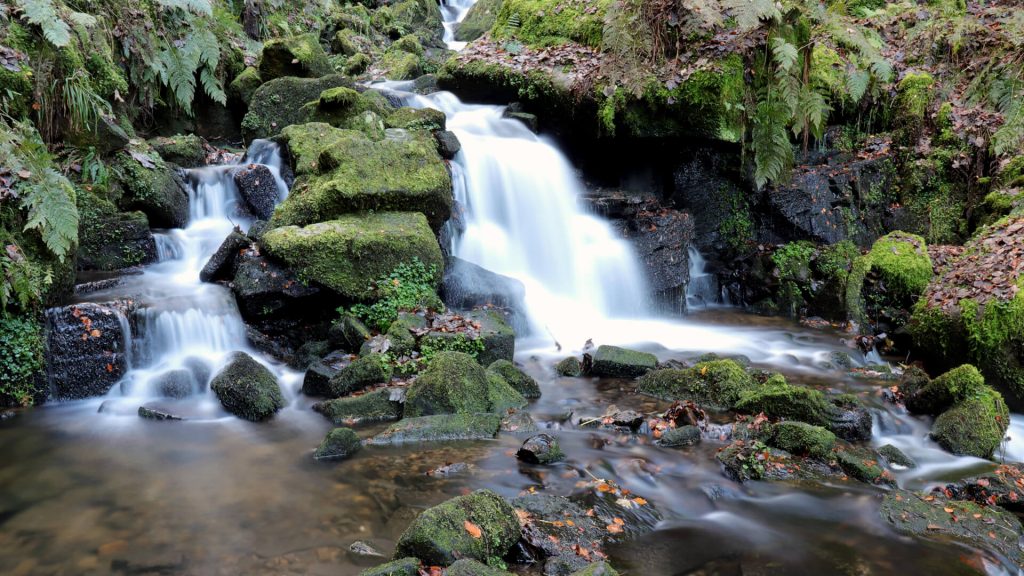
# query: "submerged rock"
(175, 383)
(615, 362)
(340, 443)
(481, 526)
(863, 464)
(541, 449)
(442, 427)
(521, 381)
(895, 457)
(86, 349)
(156, 414)
(682, 436)
(247, 388)
(717, 384)
(400, 567)
(376, 406)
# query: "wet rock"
(264, 289)
(376, 406)
(247, 388)
(498, 337)
(201, 371)
(361, 549)
(863, 464)
(442, 427)
(628, 514)
(569, 367)
(850, 421)
(716, 384)
(400, 333)
(478, 20)
(597, 569)
(466, 286)
(802, 439)
(184, 150)
(297, 56)
(258, 187)
(85, 349)
(175, 383)
(541, 449)
(339, 444)
(348, 333)
(156, 414)
(519, 422)
(450, 470)
(1003, 487)
(110, 240)
(468, 567)
(149, 185)
(679, 437)
(924, 396)
(564, 564)
(615, 362)
(751, 460)
(480, 526)
(895, 457)
(402, 567)
(448, 144)
(974, 427)
(365, 371)
(453, 384)
(501, 395)
(776, 398)
(309, 353)
(528, 120)
(317, 381)
(521, 381)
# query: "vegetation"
(409, 287)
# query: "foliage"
(43, 13)
(458, 343)
(21, 359)
(408, 287)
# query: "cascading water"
(453, 12)
(702, 290)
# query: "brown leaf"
(472, 529)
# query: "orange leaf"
(618, 521)
(604, 487)
(95, 333)
(473, 529)
(639, 501)
(614, 528)
(948, 510)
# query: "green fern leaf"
(784, 53)
(750, 13)
(857, 82)
(51, 212)
(196, 6)
(212, 86)
(44, 14)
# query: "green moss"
(402, 567)
(1012, 174)
(616, 362)
(247, 389)
(339, 97)
(776, 398)
(793, 266)
(365, 371)
(570, 367)
(863, 464)
(479, 19)
(410, 44)
(416, 119)
(903, 263)
(339, 443)
(537, 88)
(717, 384)
(914, 94)
(951, 388)
(501, 395)
(803, 439)
(21, 361)
(342, 254)
(185, 150)
(597, 569)
(244, 86)
(150, 187)
(299, 56)
(521, 381)
(975, 426)
(16, 93)
(111, 240)
(548, 22)
(280, 103)
(400, 65)
(342, 171)
(453, 383)
(368, 408)
(439, 428)
(357, 64)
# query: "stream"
(91, 488)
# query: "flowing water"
(703, 291)
(90, 488)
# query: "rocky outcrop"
(258, 187)
(86, 348)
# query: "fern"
(50, 201)
(857, 82)
(177, 68)
(773, 153)
(750, 13)
(44, 14)
(202, 7)
(784, 53)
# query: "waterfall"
(452, 14)
(702, 290)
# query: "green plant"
(21, 359)
(409, 286)
(43, 13)
(458, 343)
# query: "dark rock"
(743, 460)
(439, 536)
(340, 443)
(378, 406)
(597, 569)
(556, 527)
(265, 289)
(678, 437)
(360, 549)
(109, 240)
(309, 353)
(863, 464)
(364, 372)
(569, 367)
(149, 185)
(564, 564)
(519, 422)
(448, 144)
(247, 388)
(221, 265)
(258, 188)
(540, 449)
(895, 457)
(528, 120)
(156, 414)
(519, 380)
(614, 506)
(86, 349)
(443, 427)
(317, 381)
(175, 383)
(850, 422)
(1004, 487)
(110, 137)
(615, 362)
(348, 333)
(425, 84)
(466, 286)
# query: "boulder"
(258, 187)
(184, 150)
(466, 286)
(849, 420)
(149, 185)
(342, 172)
(346, 254)
(265, 289)
(716, 384)
(933, 397)
(400, 567)
(448, 144)
(802, 439)
(499, 339)
(178, 383)
(557, 526)
(615, 362)
(348, 333)
(521, 381)
(973, 427)
(439, 428)
(243, 87)
(453, 383)
(679, 437)
(109, 240)
(895, 457)
(470, 567)
(364, 372)
(480, 526)
(501, 396)
(86, 349)
(570, 367)
(221, 266)
(339, 444)
(317, 381)
(279, 103)
(296, 56)
(479, 19)
(863, 464)
(745, 460)
(247, 388)
(416, 119)
(372, 407)
(776, 398)
(540, 449)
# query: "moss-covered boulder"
(469, 567)
(975, 426)
(570, 367)
(348, 333)
(934, 397)
(365, 371)
(481, 526)
(369, 408)
(863, 464)
(716, 384)
(597, 569)
(616, 362)
(416, 119)
(144, 182)
(339, 444)
(342, 172)
(184, 150)
(244, 85)
(892, 275)
(502, 396)
(111, 240)
(344, 254)
(495, 340)
(777, 398)
(541, 449)
(398, 64)
(299, 56)
(896, 457)
(802, 439)
(280, 103)
(439, 428)
(453, 383)
(479, 19)
(247, 388)
(521, 381)
(679, 437)
(400, 567)
(401, 332)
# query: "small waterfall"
(702, 291)
(453, 12)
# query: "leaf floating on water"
(472, 529)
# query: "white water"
(453, 12)
(702, 290)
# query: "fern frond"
(857, 82)
(195, 6)
(50, 202)
(212, 86)
(773, 153)
(44, 14)
(750, 13)
(784, 53)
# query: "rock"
(264, 289)
(679, 437)
(448, 144)
(339, 444)
(346, 254)
(480, 526)
(936, 396)
(148, 185)
(615, 362)
(86, 349)
(221, 265)
(175, 384)
(317, 381)
(850, 421)
(247, 389)
(453, 383)
(802, 439)
(348, 333)
(298, 56)
(376, 406)
(570, 367)
(280, 103)
(109, 240)
(501, 396)
(973, 427)
(401, 567)
(863, 464)
(466, 286)
(468, 567)
(443, 427)
(1003, 487)
(521, 381)
(988, 527)
(776, 398)
(564, 564)
(360, 549)
(156, 414)
(895, 457)
(743, 460)
(716, 384)
(519, 423)
(400, 333)
(613, 505)
(540, 449)
(201, 370)
(479, 19)
(597, 569)
(243, 86)
(555, 527)
(364, 372)
(340, 172)
(109, 136)
(528, 120)
(499, 339)
(258, 187)
(416, 119)
(184, 150)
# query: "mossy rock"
(364, 372)
(409, 43)
(679, 437)
(521, 381)
(616, 362)
(453, 383)
(339, 444)
(342, 172)
(244, 86)
(863, 464)
(469, 567)
(439, 536)
(803, 439)
(569, 367)
(716, 384)
(247, 388)
(545, 22)
(501, 395)
(403, 342)
(343, 254)
(896, 457)
(348, 332)
(185, 150)
(357, 64)
(497, 340)
(416, 119)
(902, 261)
(369, 408)
(280, 103)
(479, 19)
(936, 396)
(776, 398)
(296, 56)
(401, 567)
(346, 108)
(400, 65)
(597, 569)
(975, 426)
(439, 428)
(109, 240)
(144, 182)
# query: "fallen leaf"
(472, 529)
